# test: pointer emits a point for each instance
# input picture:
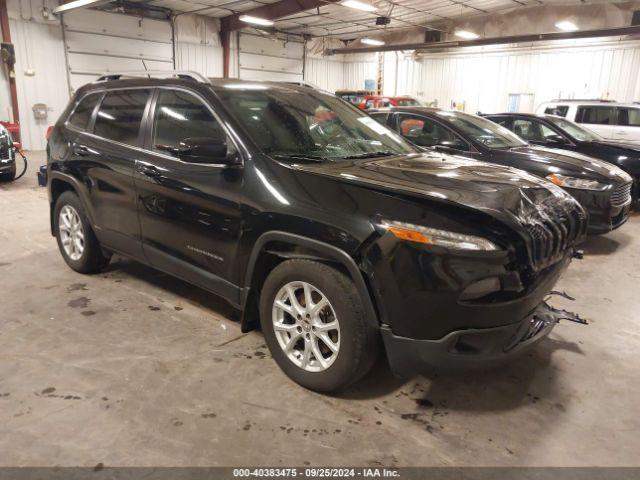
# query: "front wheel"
(315, 325)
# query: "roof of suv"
(608, 103)
(215, 83)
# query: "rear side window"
(82, 114)
(558, 110)
(596, 115)
(120, 115)
(629, 117)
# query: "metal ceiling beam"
(534, 37)
(273, 11)
(78, 4)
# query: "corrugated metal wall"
(484, 79)
(336, 73)
(40, 70)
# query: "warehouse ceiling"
(336, 20)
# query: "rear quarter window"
(558, 110)
(82, 113)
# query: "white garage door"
(264, 58)
(100, 42)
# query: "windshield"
(308, 124)
(484, 131)
(575, 130)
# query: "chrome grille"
(621, 195)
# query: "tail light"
(49, 130)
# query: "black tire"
(8, 176)
(359, 339)
(93, 259)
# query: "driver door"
(190, 213)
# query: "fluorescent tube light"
(567, 26)
(256, 20)
(467, 35)
(358, 5)
(372, 41)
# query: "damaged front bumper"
(469, 348)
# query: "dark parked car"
(558, 132)
(603, 189)
(309, 216)
(7, 156)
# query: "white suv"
(619, 122)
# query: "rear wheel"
(315, 325)
(77, 243)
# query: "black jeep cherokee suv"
(313, 219)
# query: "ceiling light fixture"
(358, 5)
(467, 35)
(567, 26)
(263, 22)
(372, 41)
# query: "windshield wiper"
(369, 155)
(300, 156)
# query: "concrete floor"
(132, 367)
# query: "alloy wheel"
(71, 232)
(306, 326)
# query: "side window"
(380, 117)
(596, 115)
(502, 121)
(629, 117)
(532, 131)
(180, 115)
(427, 133)
(82, 114)
(120, 115)
(558, 110)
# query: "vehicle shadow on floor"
(500, 388)
(189, 293)
(604, 245)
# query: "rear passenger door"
(628, 125)
(598, 118)
(190, 213)
(106, 153)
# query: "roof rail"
(182, 74)
(584, 100)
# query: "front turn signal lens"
(410, 235)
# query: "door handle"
(149, 170)
(80, 150)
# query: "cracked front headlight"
(573, 182)
(435, 236)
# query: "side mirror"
(556, 140)
(456, 144)
(212, 150)
(17, 146)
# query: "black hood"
(509, 195)
(544, 161)
(633, 148)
